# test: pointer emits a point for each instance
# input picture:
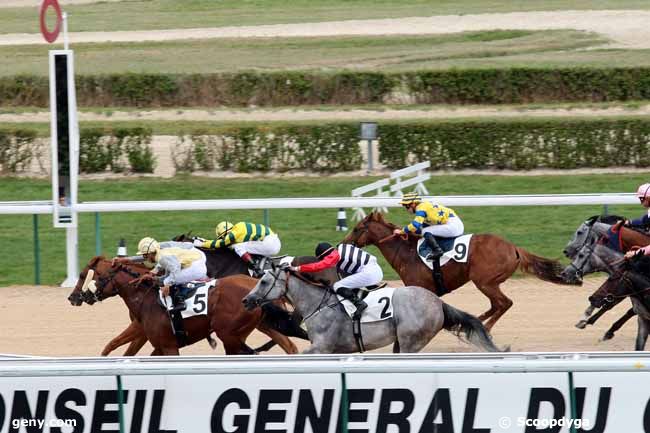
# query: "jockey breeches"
(269, 246)
(453, 228)
(369, 275)
(197, 270)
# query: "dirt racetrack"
(40, 321)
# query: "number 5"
(199, 302)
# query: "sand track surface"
(40, 321)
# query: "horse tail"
(543, 268)
(457, 322)
(282, 321)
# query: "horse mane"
(378, 217)
(605, 219)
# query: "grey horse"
(418, 315)
(585, 239)
(600, 258)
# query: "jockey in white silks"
(179, 262)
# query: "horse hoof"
(506, 348)
(581, 324)
(607, 336)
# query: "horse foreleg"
(586, 317)
(618, 324)
(285, 343)
(135, 346)
(131, 333)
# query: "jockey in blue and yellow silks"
(245, 239)
(430, 220)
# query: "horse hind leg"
(500, 302)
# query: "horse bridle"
(103, 281)
(579, 268)
(326, 293)
(610, 298)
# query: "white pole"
(72, 257)
(65, 30)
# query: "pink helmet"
(643, 191)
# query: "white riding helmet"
(148, 245)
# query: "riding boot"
(350, 295)
(434, 257)
(177, 299)
(436, 251)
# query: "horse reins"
(626, 280)
(327, 292)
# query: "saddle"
(365, 291)
(445, 244)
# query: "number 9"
(461, 251)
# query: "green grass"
(543, 230)
(389, 53)
(167, 14)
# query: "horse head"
(272, 285)
(611, 289)
(183, 237)
(82, 291)
(592, 257)
(589, 231)
(370, 230)
(118, 276)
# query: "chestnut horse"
(226, 316)
(492, 260)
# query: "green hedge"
(322, 148)
(492, 86)
(18, 149)
(334, 147)
(121, 149)
(517, 145)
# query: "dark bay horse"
(628, 278)
(608, 230)
(226, 316)
(492, 260)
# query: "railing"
(499, 392)
(45, 207)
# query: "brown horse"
(492, 260)
(226, 316)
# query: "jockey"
(361, 267)
(643, 193)
(245, 239)
(430, 220)
(180, 262)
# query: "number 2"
(384, 313)
(199, 302)
(461, 252)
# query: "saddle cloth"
(196, 304)
(380, 305)
(456, 249)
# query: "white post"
(65, 30)
(72, 257)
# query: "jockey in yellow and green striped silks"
(245, 239)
